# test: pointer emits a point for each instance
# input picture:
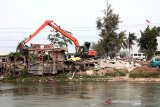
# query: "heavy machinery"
(81, 51)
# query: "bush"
(10, 78)
(117, 72)
(144, 72)
(140, 74)
(93, 76)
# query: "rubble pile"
(118, 64)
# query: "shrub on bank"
(116, 72)
(145, 72)
(112, 72)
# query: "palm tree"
(122, 40)
(13, 56)
(131, 39)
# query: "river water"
(80, 94)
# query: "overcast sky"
(20, 18)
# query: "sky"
(20, 18)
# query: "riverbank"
(80, 79)
(139, 74)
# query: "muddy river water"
(80, 94)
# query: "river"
(80, 94)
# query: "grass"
(145, 74)
(116, 73)
(10, 78)
(140, 73)
(93, 76)
(62, 77)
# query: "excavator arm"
(54, 26)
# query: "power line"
(48, 31)
(80, 27)
(85, 30)
(42, 39)
(83, 27)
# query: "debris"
(1, 78)
(90, 72)
(75, 58)
(120, 63)
(70, 78)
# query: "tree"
(58, 40)
(131, 39)
(66, 40)
(111, 41)
(99, 49)
(13, 56)
(148, 41)
(54, 39)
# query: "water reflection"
(81, 94)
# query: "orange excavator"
(81, 51)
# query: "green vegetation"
(62, 77)
(10, 78)
(145, 74)
(116, 73)
(148, 41)
(131, 39)
(58, 40)
(93, 76)
(137, 73)
(26, 78)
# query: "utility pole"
(107, 45)
(107, 7)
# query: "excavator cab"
(84, 52)
(87, 45)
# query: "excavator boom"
(54, 26)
